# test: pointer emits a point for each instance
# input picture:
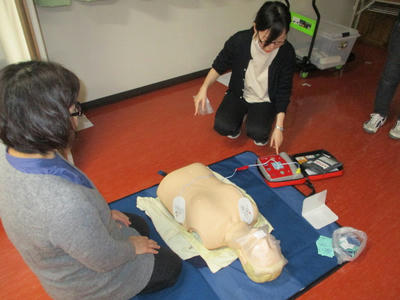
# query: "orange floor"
(133, 139)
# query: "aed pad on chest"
(179, 209)
(246, 211)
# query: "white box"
(332, 46)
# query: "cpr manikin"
(222, 216)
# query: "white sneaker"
(261, 143)
(375, 122)
(233, 137)
(394, 133)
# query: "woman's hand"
(276, 139)
(201, 97)
(143, 244)
(200, 101)
(120, 218)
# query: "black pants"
(229, 117)
(167, 265)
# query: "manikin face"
(262, 36)
(261, 256)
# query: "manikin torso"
(222, 216)
(211, 206)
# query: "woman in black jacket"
(262, 62)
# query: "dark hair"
(275, 16)
(35, 98)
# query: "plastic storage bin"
(332, 47)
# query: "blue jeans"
(391, 74)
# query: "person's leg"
(260, 118)
(388, 83)
(138, 223)
(229, 115)
(391, 74)
(167, 265)
(166, 271)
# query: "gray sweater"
(65, 233)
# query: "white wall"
(118, 45)
(3, 61)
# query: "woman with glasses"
(262, 62)
(51, 212)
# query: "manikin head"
(260, 255)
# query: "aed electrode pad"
(246, 211)
(178, 209)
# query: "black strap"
(308, 184)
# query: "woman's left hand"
(276, 139)
(120, 217)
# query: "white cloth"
(256, 78)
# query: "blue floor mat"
(282, 207)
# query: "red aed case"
(282, 170)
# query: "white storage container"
(332, 46)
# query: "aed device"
(282, 170)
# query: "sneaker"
(260, 143)
(394, 133)
(233, 137)
(374, 123)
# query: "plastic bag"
(207, 108)
(348, 243)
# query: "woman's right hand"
(143, 244)
(200, 101)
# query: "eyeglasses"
(78, 110)
(275, 43)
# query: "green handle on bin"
(303, 24)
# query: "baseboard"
(142, 90)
